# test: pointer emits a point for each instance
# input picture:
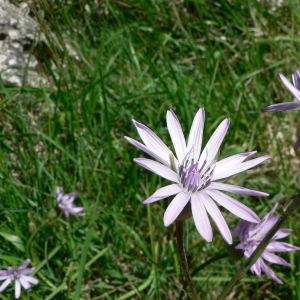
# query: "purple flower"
(21, 277)
(295, 91)
(65, 203)
(195, 174)
(250, 238)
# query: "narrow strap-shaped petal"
(31, 279)
(282, 233)
(176, 134)
(163, 192)
(260, 232)
(161, 157)
(234, 189)
(272, 258)
(17, 289)
(297, 145)
(152, 141)
(212, 147)
(296, 79)
(290, 87)
(230, 170)
(265, 219)
(24, 264)
(25, 284)
(216, 215)
(5, 284)
(234, 160)
(175, 208)
(282, 107)
(157, 168)
(276, 246)
(26, 271)
(77, 210)
(256, 267)
(235, 207)
(201, 218)
(270, 273)
(196, 134)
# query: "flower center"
(16, 274)
(251, 244)
(193, 177)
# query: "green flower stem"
(183, 259)
(293, 205)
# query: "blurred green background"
(137, 59)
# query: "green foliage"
(136, 60)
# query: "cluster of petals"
(21, 277)
(295, 91)
(250, 237)
(195, 174)
(65, 203)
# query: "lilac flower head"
(21, 277)
(295, 91)
(195, 174)
(65, 203)
(250, 237)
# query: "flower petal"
(290, 87)
(163, 192)
(31, 279)
(212, 147)
(160, 157)
(17, 289)
(25, 284)
(175, 207)
(5, 284)
(275, 246)
(283, 106)
(296, 79)
(201, 218)
(235, 207)
(234, 189)
(157, 168)
(259, 232)
(229, 170)
(26, 271)
(297, 145)
(196, 134)
(282, 233)
(270, 273)
(152, 141)
(272, 258)
(176, 134)
(216, 215)
(234, 159)
(24, 265)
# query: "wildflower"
(65, 203)
(195, 174)
(21, 277)
(295, 91)
(250, 238)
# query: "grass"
(137, 60)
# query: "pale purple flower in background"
(195, 174)
(295, 91)
(250, 237)
(21, 277)
(65, 203)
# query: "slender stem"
(294, 203)
(208, 262)
(183, 259)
